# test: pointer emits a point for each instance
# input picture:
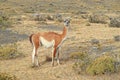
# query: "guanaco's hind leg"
(35, 60)
(34, 53)
(33, 56)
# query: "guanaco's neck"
(64, 33)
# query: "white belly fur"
(46, 43)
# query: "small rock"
(117, 38)
(95, 41)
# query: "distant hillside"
(56, 6)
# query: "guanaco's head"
(67, 22)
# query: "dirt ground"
(79, 35)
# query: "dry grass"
(78, 55)
(6, 76)
(101, 65)
(9, 52)
(21, 67)
(4, 20)
(65, 70)
(115, 22)
(98, 18)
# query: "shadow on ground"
(7, 36)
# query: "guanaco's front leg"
(53, 55)
(57, 55)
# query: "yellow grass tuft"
(5, 76)
(101, 65)
(9, 52)
(78, 55)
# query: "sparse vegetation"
(97, 18)
(39, 17)
(80, 66)
(9, 52)
(6, 76)
(115, 22)
(88, 24)
(104, 64)
(82, 61)
(101, 65)
(4, 20)
(78, 55)
(58, 17)
(117, 38)
(95, 41)
(3, 0)
(84, 51)
(50, 17)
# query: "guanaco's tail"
(30, 38)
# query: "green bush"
(5, 76)
(101, 65)
(9, 52)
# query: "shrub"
(104, 64)
(117, 38)
(39, 17)
(5, 76)
(101, 65)
(97, 18)
(81, 12)
(4, 20)
(115, 22)
(78, 55)
(95, 41)
(82, 61)
(29, 10)
(58, 17)
(79, 67)
(9, 52)
(88, 24)
(49, 17)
